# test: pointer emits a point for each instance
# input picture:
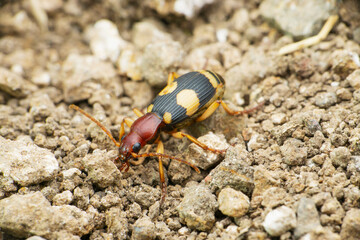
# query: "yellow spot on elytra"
(168, 89)
(188, 99)
(150, 107)
(167, 117)
(210, 77)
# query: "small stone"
(307, 217)
(41, 106)
(299, 19)
(149, 31)
(340, 156)
(144, 229)
(354, 79)
(204, 158)
(344, 94)
(325, 100)
(350, 227)
(117, 223)
(234, 171)
(26, 163)
(14, 84)
(344, 63)
(294, 152)
(147, 196)
(279, 221)
(159, 59)
(189, 8)
(278, 118)
(63, 198)
(105, 41)
(101, 169)
(139, 100)
(356, 95)
(274, 197)
(233, 203)
(17, 214)
(79, 72)
(198, 207)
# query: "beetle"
(186, 99)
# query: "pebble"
(101, 169)
(356, 95)
(350, 229)
(41, 106)
(274, 197)
(325, 100)
(63, 198)
(299, 19)
(294, 152)
(104, 39)
(197, 209)
(139, 100)
(206, 159)
(279, 221)
(354, 79)
(278, 118)
(307, 217)
(144, 229)
(233, 203)
(79, 71)
(117, 223)
(189, 8)
(17, 217)
(234, 171)
(149, 31)
(159, 59)
(26, 163)
(340, 156)
(14, 84)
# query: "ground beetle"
(186, 99)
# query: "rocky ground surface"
(292, 168)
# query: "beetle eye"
(136, 147)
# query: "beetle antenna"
(72, 106)
(165, 156)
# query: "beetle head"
(130, 143)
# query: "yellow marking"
(167, 117)
(168, 89)
(210, 77)
(188, 99)
(150, 107)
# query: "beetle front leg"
(160, 149)
(128, 122)
(197, 142)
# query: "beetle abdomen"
(187, 96)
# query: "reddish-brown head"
(144, 130)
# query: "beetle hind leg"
(233, 112)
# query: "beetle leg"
(138, 112)
(160, 149)
(128, 122)
(141, 159)
(171, 77)
(197, 142)
(211, 109)
(233, 112)
(72, 106)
